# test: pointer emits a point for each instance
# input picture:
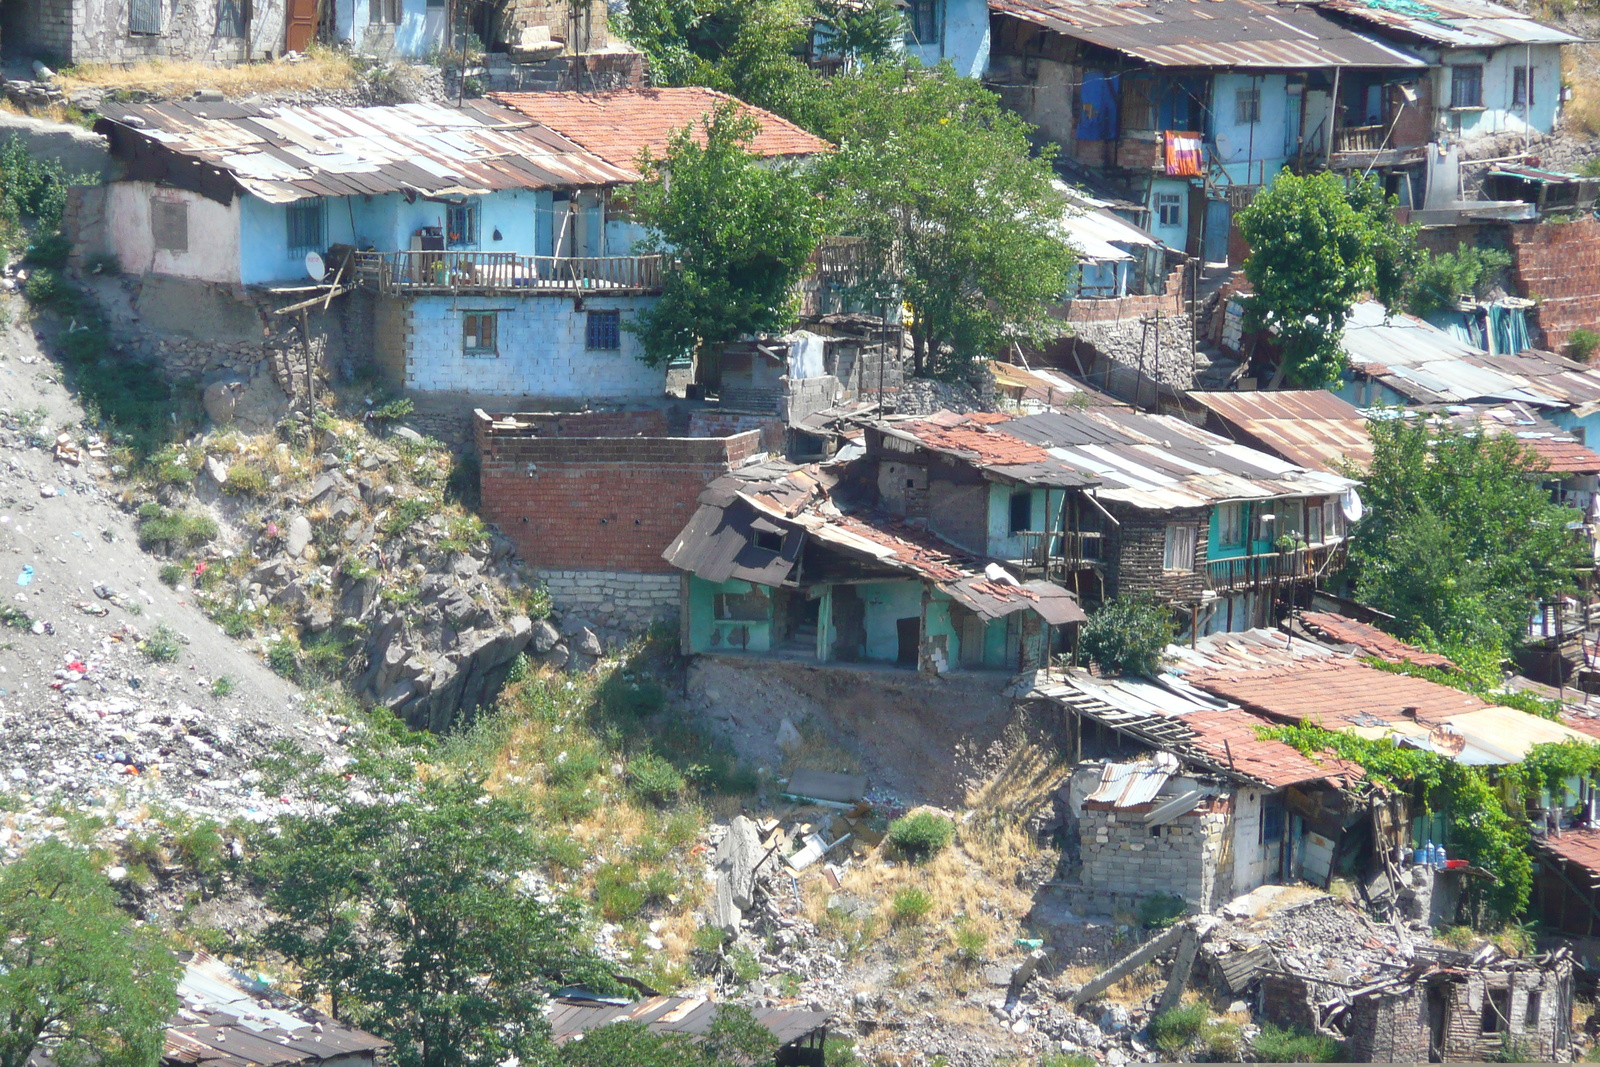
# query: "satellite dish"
(315, 267)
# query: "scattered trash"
(26, 577)
(48, 491)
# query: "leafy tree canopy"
(1442, 278)
(76, 975)
(741, 230)
(735, 1039)
(1460, 538)
(1316, 245)
(943, 186)
(411, 917)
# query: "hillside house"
(1116, 502)
(488, 249)
(795, 562)
(1187, 110)
(65, 32)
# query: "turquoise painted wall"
(1215, 549)
(888, 602)
(1002, 545)
(703, 624)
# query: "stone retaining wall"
(614, 600)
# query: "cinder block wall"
(592, 499)
(1558, 264)
(1184, 857)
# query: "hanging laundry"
(1184, 154)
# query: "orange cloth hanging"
(1184, 157)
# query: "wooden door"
(302, 25)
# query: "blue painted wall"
(703, 624)
(421, 29)
(1250, 153)
(963, 38)
(1046, 509)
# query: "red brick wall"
(583, 502)
(1558, 264)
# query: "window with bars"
(144, 16)
(479, 333)
(604, 330)
(922, 22)
(1466, 86)
(461, 225)
(1247, 106)
(1178, 552)
(305, 221)
(169, 225)
(1521, 86)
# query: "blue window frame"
(604, 330)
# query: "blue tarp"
(1098, 119)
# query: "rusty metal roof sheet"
(1577, 846)
(1371, 640)
(571, 1017)
(1231, 735)
(227, 1019)
(1147, 461)
(1456, 23)
(621, 124)
(1211, 33)
(1562, 452)
(1311, 427)
(1128, 785)
(1430, 366)
(281, 153)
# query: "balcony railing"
(1243, 572)
(1052, 553)
(415, 273)
(1359, 139)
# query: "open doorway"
(909, 632)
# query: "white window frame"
(1247, 106)
(1173, 201)
(1178, 549)
(1233, 525)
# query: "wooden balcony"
(499, 273)
(1246, 572)
(1054, 554)
(1359, 139)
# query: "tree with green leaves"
(1317, 244)
(412, 918)
(741, 230)
(861, 30)
(1128, 635)
(943, 186)
(77, 977)
(1460, 539)
(734, 1039)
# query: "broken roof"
(1561, 450)
(571, 1017)
(228, 1019)
(1099, 234)
(1310, 427)
(1213, 33)
(620, 125)
(282, 153)
(1046, 389)
(1371, 640)
(790, 505)
(1147, 461)
(1454, 24)
(1232, 735)
(1580, 847)
(1429, 366)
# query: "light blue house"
(949, 31)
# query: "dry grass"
(1024, 783)
(1130, 991)
(318, 69)
(1581, 69)
(819, 753)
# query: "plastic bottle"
(1420, 857)
(1440, 860)
(1431, 853)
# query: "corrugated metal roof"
(1457, 24)
(1310, 427)
(1211, 33)
(281, 153)
(1428, 365)
(1128, 785)
(1101, 235)
(989, 599)
(570, 1018)
(1561, 451)
(1148, 461)
(1336, 693)
(1371, 640)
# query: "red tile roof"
(972, 435)
(1564, 457)
(1229, 735)
(1581, 847)
(617, 126)
(1335, 692)
(1372, 641)
(916, 548)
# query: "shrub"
(162, 646)
(1128, 635)
(654, 779)
(1276, 1044)
(744, 963)
(245, 480)
(1161, 910)
(1581, 344)
(405, 513)
(159, 527)
(1443, 278)
(222, 686)
(284, 657)
(1173, 1030)
(1223, 1040)
(911, 905)
(170, 574)
(920, 836)
(969, 941)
